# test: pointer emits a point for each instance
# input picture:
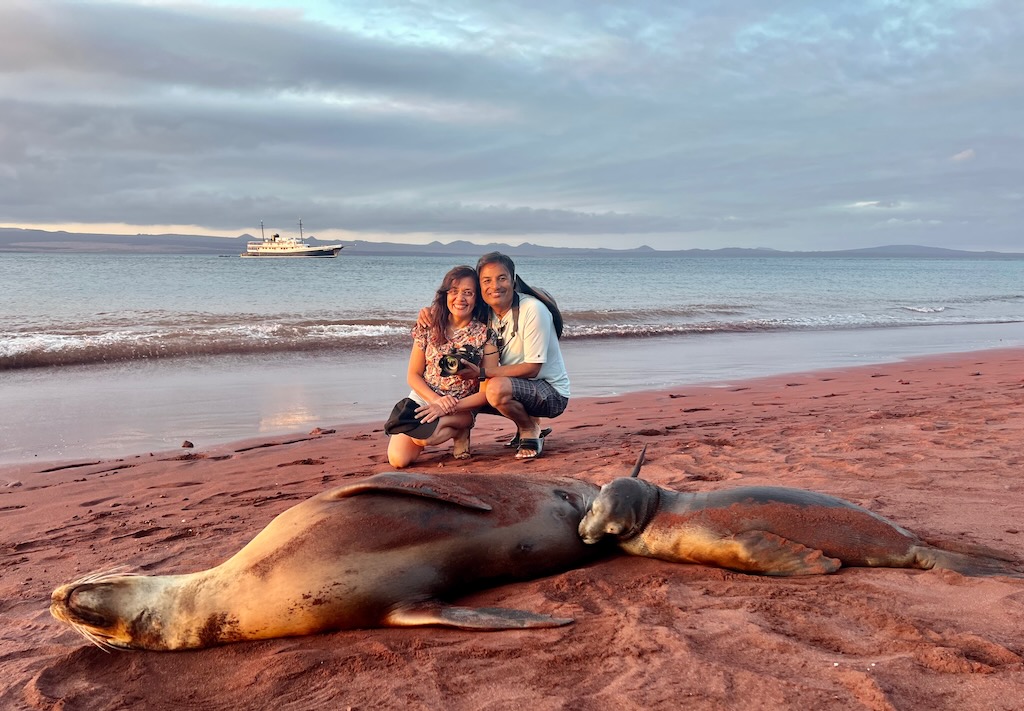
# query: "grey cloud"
(713, 124)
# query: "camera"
(450, 364)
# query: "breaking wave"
(114, 338)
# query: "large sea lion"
(385, 551)
(764, 529)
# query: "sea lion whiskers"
(95, 638)
(90, 633)
(59, 607)
(100, 575)
(107, 608)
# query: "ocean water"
(64, 309)
(112, 354)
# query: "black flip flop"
(514, 442)
(531, 444)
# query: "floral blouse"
(475, 334)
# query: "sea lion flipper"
(470, 618)
(976, 564)
(769, 554)
(429, 487)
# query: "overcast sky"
(674, 124)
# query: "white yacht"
(278, 246)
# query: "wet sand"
(932, 443)
(136, 407)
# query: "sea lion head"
(112, 610)
(622, 509)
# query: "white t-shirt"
(535, 341)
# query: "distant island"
(41, 241)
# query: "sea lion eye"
(572, 498)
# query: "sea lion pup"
(381, 552)
(764, 529)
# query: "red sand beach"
(934, 444)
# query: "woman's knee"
(400, 459)
(402, 451)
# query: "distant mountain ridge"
(42, 241)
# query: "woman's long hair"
(440, 315)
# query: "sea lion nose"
(584, 530)
(58, 602)
(59, 595)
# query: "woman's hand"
(444, 405)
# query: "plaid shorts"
(538, 397)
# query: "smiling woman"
(444, 394)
